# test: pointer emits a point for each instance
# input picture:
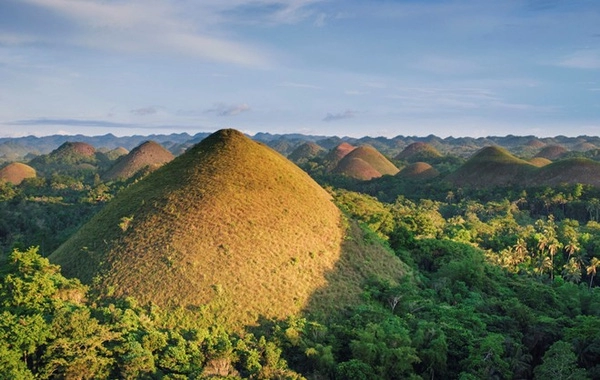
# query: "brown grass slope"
(539, 161)
(230, 224)
(552, 152)
(356, 167)
(149, 155)
(305, 152)
(491, 166)
(16, 172)
(371, 157)
(569, 171)
(418, 151)
(333, 158)
(418, 170)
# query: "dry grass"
(539, 161)
(147, 155)
(552, 152)
(365, 162)
(335, 155)
(16, 172)
(418, 170)
(230, 225)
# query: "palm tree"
(571, 248)
(591, 269)
(572, 271)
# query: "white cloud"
(229, 109)
(299, 85)
(583, 59)
(348, 114)
(152, 26)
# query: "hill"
(149, 155)
(335, 155)
(305, 152)
(365, 162)
(67, 158)
(552, 152)
(539, 161)
(16, 172)
(418, 171)
(418, 151)
(230, 225)
(569, 171)
(491, 166)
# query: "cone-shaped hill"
(491, 166)
(305, 152)
(335, 155)
(365, 162)
(16, 172)
(113, 154)
(230, 225)
(69, 157)
(418, 151)
(569, 171)
(552, 152)
(148, 155)
(539, 161)
(418, 171)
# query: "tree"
(559, 362)
(592, 268)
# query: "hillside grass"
(16, 172)
(148, 155)
(230, 226)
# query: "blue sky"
(327, 67)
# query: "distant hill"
(68, 158)
(149, 155)
(552, 152)
(569, 171)
(335, 155)
(306, 151)
(113, 154)
(16, 172)
(491, 166)
(418, 151)
(418, 171)
(230, 225)
(539, 161)
(365, 162)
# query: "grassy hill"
(418, 151)
(335, 155)
(418, 170)
(491, 166)
(569, 171)
(230, 225)
(305, 152)
(539, 161)
(16, 172)
(365, 162)
(552, 152)
(148, 155)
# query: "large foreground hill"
(230, 224)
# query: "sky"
(323, 67)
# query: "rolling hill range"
(230, 225)
(149, 155)
(16, 172)
(568, 171)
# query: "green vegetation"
(428, 280)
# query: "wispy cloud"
(299, 85)
(348, 114)
(228, 110)
(583, 59)
(153, 26)
(145, 111)
(72, 122)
